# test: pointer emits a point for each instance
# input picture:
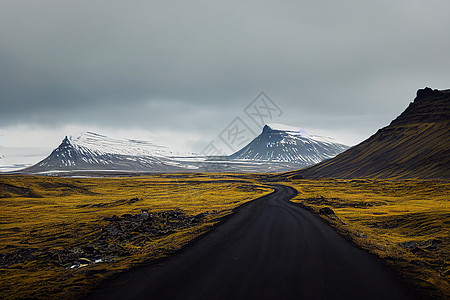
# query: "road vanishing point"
(269, 248)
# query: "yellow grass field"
(46, 221)
(406, 223)
(53, 229)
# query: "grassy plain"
(46, 221)
(405, 222)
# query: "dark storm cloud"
(155, 64)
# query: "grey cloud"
(103, 62)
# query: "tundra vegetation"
(404, 222)
(60, 237)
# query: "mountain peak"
(429, 106)
(296, 131)
(284, 143)
(282, 127)
(102, 144)
(427, 92)
(65, 141)
(92, 151)
(266, 128)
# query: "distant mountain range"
(278, 148)
(415, 145)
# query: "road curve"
(269, 249)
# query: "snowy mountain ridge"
(284, 143)
(92, 151)
(277, 148)
(297, 131)
(100, 145)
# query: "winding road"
(269, 249)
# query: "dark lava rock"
(146, 225)
(134, 200)
(418, 250)
(136, 229)
(418, 246)
(16, 257)
(408, 245)
(326, 211)
(113, 218)
(202, 215)
(426, 92)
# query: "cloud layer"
(194, 65)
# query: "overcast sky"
(181, 71)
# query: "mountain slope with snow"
(275, 150)
(101, 144)
(91, 151)
(282, 143)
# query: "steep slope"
(281, 143)
(415, 145)
(92, 151)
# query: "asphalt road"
(269, 249)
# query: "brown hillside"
(415, 145)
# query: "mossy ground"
(404, 222)
(51, 214)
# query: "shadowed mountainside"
(415, 145)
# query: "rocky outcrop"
(429, 106)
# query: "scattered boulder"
(420, 246)
(326, 211)
(408, 245)
(133, 200)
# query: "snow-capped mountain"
(100, 144)
(91, 151)
(278, 148)
(282, 143)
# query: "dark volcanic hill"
(415, 145)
